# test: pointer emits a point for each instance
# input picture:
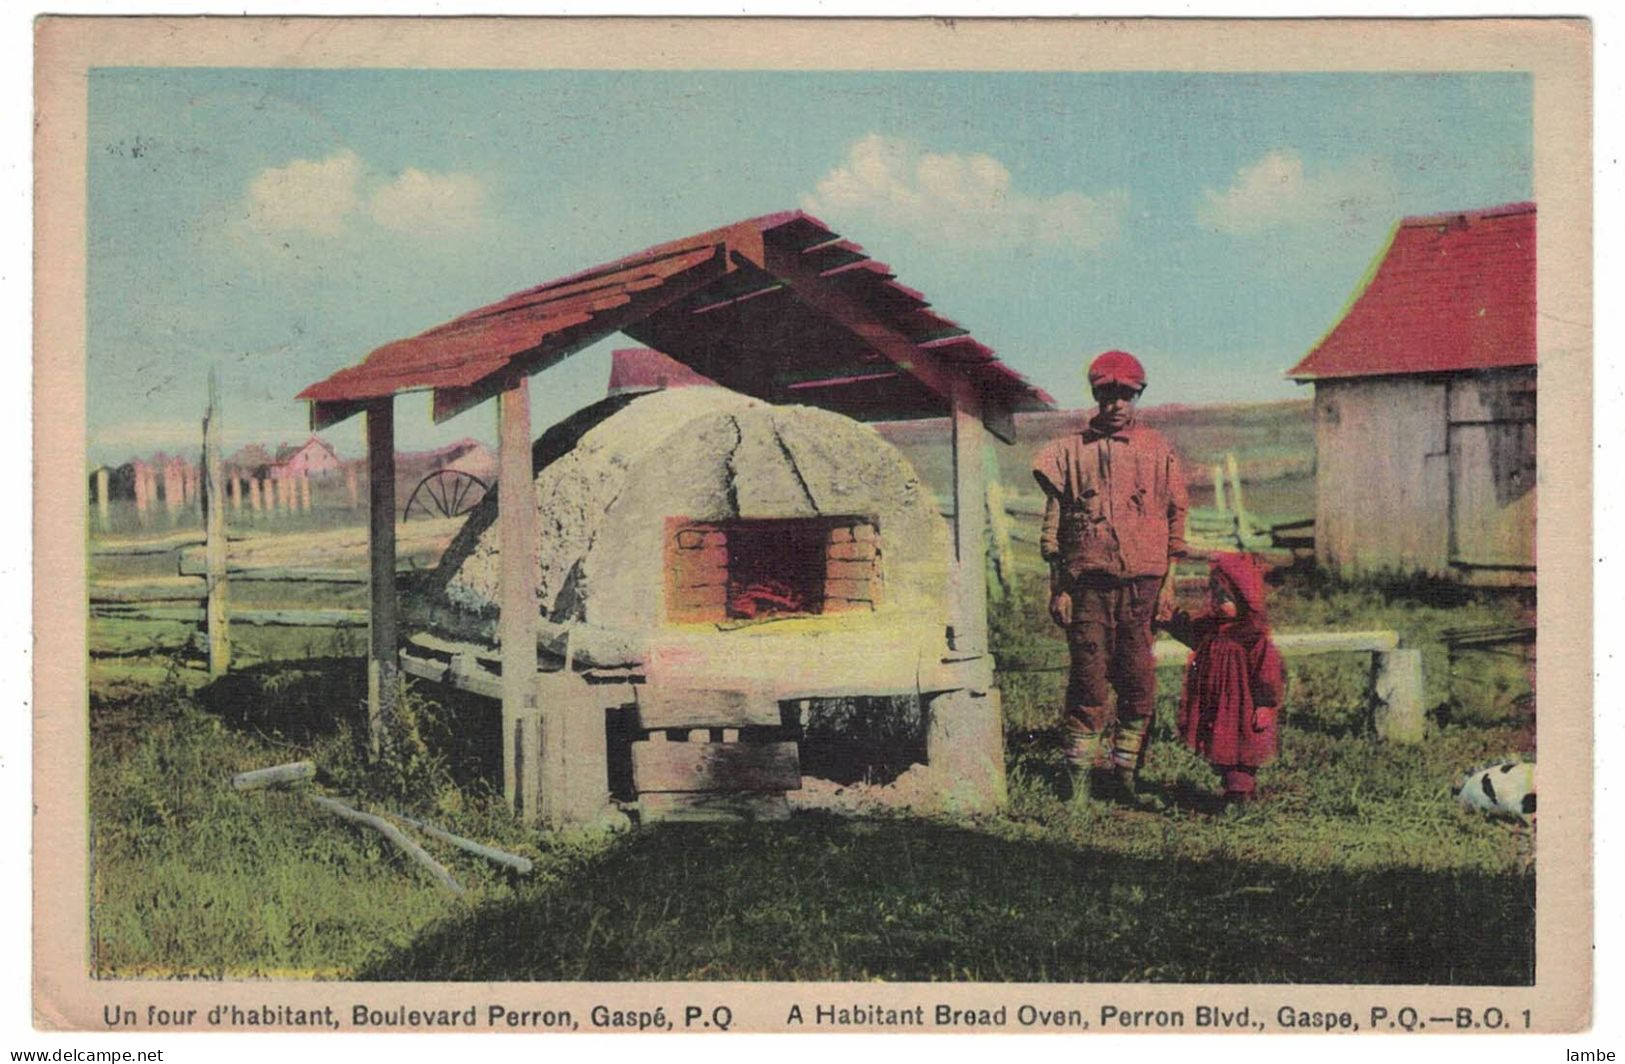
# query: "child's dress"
(1234, 669)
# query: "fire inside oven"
(751, 569)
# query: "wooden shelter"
(1425, 405)
(777, 308)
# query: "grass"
(1358, 868)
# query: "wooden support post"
(101, 496)
(214, 550)
(970, 524)
(575, 751)
(1396, 685)
(1218, 488)
(382, 663)
(1235, 492)
(518, 533)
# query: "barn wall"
(1382, 475)
(1492, 474)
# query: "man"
(1114, 520)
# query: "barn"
(1425, 405)
(706, 561)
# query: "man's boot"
(1128, 751)
(1085, 749)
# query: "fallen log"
(394, 835)
(276, 775)
(519, 864)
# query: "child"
(1234, 682)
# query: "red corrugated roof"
(778, 306)
(1451, 292)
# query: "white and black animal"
(1506, 788)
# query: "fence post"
(101, 496)
(304, 493)
(1235, 494)
(214, 550)
(1396, 685)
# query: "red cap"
(1116, 367)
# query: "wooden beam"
(927, 368)
(382, 660)
(219, 609)
(674, 706)
(518, 536)
(715, 767)
(450, 401)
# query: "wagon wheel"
(445, 493)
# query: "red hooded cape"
(1233, 669)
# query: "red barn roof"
(1451, 292)
(778, 307)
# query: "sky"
(277, 225)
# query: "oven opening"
(761, 568)
(775, 568)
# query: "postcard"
(729, 525)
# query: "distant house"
(1425, 405)
(314, 458)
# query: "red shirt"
(1114, 505)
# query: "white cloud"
(959, 199)
(332, 197)
(420, 202)
(1279, 192)
(305, 196)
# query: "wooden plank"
(276, 775)
(715, 767)
(152, 589)
(1296, 644)
(382, 660)
(394, 835)
(110, 637)
(711, 808)
(512, 861)
(316, 618)
(148, 545)
(669, 706)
